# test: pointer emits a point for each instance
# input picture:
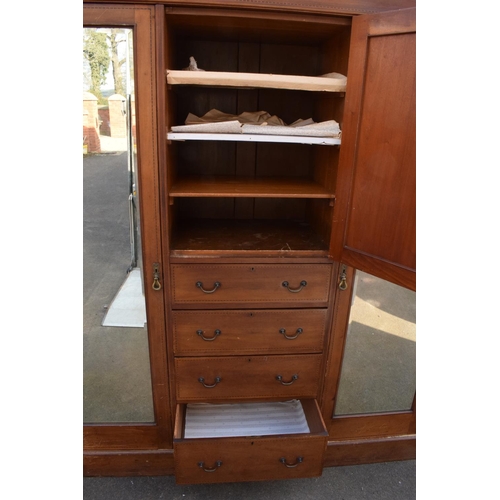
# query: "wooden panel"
(120, 437)
(272, 158)
(375, 425)
(247, 285)
(248, 61)
(376, 267)
(205, 157)
(161, 462)
(210, 55)
(128, 463)
(376, 187)
(249, 332)
(224, 24)
(354, 452)
(382, 213)
(323, 6)
(247, 377)
(337, 338)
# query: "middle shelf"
(248, 187)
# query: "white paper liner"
(244, 419)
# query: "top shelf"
(257, 80)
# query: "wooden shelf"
(292, 139)
(256, 80)
(245, 237)
(248, 187)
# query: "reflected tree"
(115, 37)
(96, 52)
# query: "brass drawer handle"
(297, 333)
(217, 465)
(290, 466)
(208, 339)
(199, 284)
(279, 378)
(303, 283)
(202, 381)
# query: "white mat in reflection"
(205, 420)
(128, 308)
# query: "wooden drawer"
(202, 333)
(242, 285)
(252, 458)
(247, 377)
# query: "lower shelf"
(246, 237)
(292, 139)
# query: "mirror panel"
(117, 376)
(379, 367)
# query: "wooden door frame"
(102, 439)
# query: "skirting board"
(161, 462)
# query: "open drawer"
(254, 441)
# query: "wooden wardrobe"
(250, 246)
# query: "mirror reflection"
(378, 371)
(117, 381)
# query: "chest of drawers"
(249, 332)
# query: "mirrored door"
(379, 364)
